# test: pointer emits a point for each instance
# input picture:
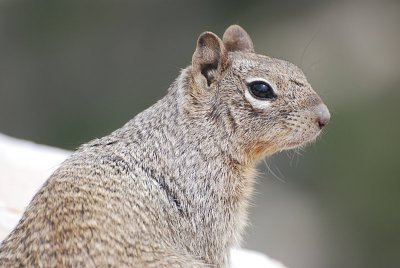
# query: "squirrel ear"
(237, 39)
(209, 59)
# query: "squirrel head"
(262, 104)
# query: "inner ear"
(209, 59)
(237, 39)
(208, 71)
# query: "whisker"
(273, 173)
(307, 46)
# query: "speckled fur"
(171, 187)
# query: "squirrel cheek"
(258, 104)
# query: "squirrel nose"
(323, 115)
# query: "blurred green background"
(74, 70)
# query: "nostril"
(322, 122)
(323, 115)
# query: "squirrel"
(171, 188)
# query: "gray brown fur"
(171, 187)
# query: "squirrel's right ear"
(209, 59)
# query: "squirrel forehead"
(256, 64)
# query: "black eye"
(261, 90)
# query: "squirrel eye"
(261, 90)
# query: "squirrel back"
(171, 187)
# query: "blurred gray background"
(74, 70)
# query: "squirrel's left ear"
(209, 59)
(237, 39)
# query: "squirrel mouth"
(293, 145)
(300, 142)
